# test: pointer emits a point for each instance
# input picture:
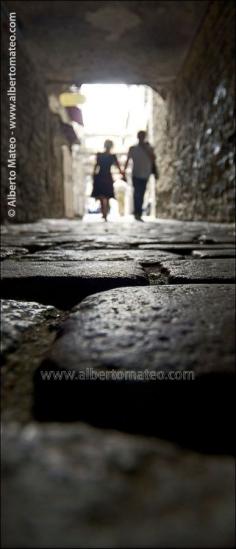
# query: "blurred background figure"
(143, 165)
(120, 187)
(102, 178)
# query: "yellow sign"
(71, 99)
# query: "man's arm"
(150, 151)
(129, 156)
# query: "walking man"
(143, 160)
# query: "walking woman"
(102, 177)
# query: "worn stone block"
(141, 256)
(127, 359)
(203, 270)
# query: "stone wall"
(194, 126)
(39, 160)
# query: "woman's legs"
(104, 206)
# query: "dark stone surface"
(74, 486)
(203, 270)
(183, 335)
(64, 284)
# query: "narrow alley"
(118, 337)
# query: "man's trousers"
(139, 191)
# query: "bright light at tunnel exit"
(112, 109)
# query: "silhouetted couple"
(143, 165)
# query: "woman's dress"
(103, 181)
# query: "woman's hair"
(108, 144)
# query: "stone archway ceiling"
(138, 42)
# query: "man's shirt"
(142, 163)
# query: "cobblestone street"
(148, 298)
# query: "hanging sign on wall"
(71, 99)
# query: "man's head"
(141, 136)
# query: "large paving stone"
(64, 284)
(145, 360)
(203, 270)
(153, 324)
(142, 256)
(67, 486)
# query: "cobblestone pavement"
(118, 345)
